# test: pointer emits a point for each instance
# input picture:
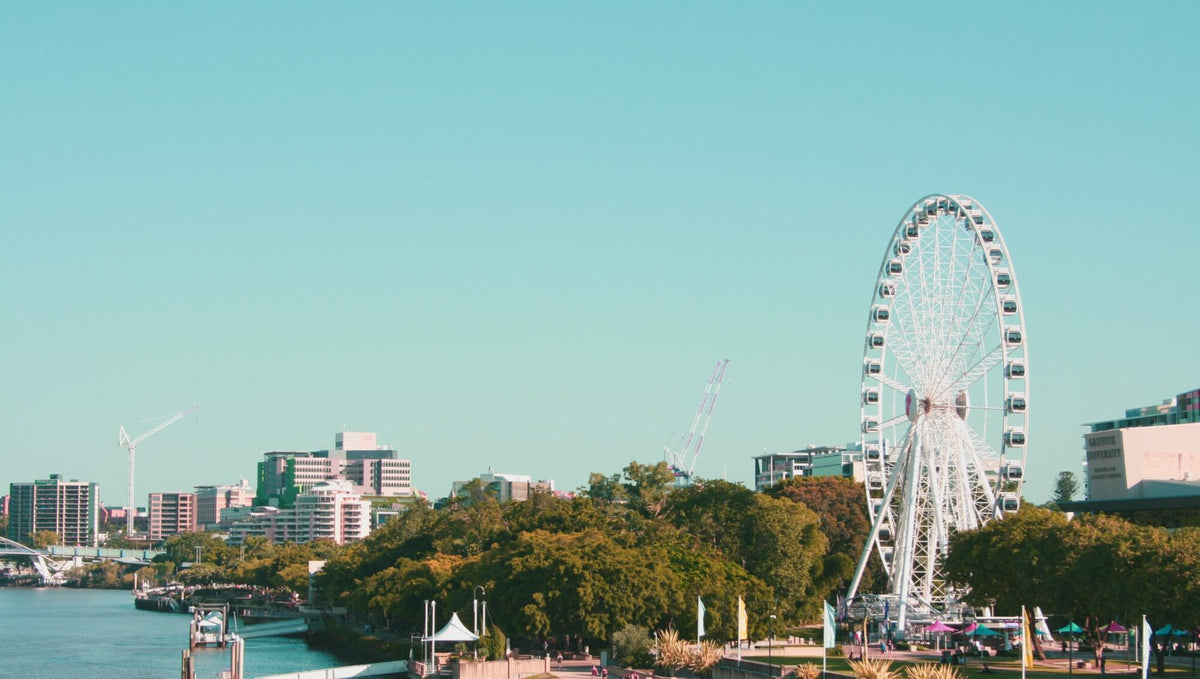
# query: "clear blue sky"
(519, 235)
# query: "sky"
(520, 235)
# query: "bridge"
(50, 572)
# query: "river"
(96, 633)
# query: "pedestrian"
(595, 671)
(604, 672)
(883, 646)
(559, 658)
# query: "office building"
(372, 470)
(213, 501)
(171, 514)
(69, 508)
(1151, 453)
(773, 468)
(505, 487)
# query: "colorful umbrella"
(1070, 629)
(1115, 628)
(984, 631)
(1168, 629)
(940, 626)
(969, 628)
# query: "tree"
(1065, 487)
(43, 539)
(647, 486)
(841, 508)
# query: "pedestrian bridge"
(274, 629)
(50, 572)
(347, 672)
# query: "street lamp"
(475, 617)
(770, 645)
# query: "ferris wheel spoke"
(891, 382)
(975, 372)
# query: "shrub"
(873, 669)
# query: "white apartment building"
(330, 510)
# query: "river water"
(95, 633)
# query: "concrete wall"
(501, 669)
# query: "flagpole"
(1024, 641)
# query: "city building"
(773, 468)
(171, 514)
(212, 503)
(505, 487)
(1150, 454)
(373, 470)
(69, 508)
(330, 510)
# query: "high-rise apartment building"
(212, 500)
(330, 510)
(171, 514)
(372, 469)
(69, 508)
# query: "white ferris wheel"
(945, 396)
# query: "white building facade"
(330, 510)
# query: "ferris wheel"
(945, 396)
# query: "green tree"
(44, 538)
(842, 512)
(631, 646)
(647, 486)
(580, 584)
(493, 643)
(1065, 487)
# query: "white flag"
(1146, 633)
(699, 617)
(829, 640)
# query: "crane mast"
(678, 460)
(126, 441)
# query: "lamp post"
(770, 645)
(475, 608)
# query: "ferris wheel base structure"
(944, 402)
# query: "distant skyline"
(519, 236)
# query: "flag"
(1146, 633)
(743, 621)
(699, 617)
(1026, 642)
(828, 632)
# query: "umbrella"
(969, 628)
(1070, 629)
(1115, 628)
(984, 631)
(940, 626)
(1168, 629)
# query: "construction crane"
(679, 460)
(126, 441)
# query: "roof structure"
(453, 631)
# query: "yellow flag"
(742, 621)
(1026, 641)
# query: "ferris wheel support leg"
(902, 582)
(871, 537)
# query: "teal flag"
(829, 636)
